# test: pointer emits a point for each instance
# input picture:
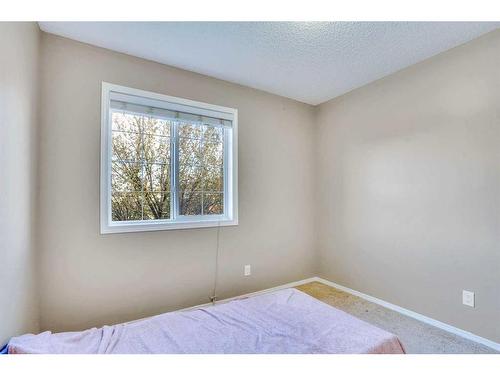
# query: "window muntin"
(165, 168)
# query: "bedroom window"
(166, 162)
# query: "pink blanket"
(287, 321)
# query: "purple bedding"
(287, 321)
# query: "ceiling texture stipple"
(311, 62)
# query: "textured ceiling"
(308, 61)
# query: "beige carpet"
(417, 337)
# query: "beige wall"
(18, 125)
(409, 187)
(90, 279)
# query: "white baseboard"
(433, 322)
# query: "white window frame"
(230, 216)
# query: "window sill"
(130, 227)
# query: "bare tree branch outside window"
(141, 168)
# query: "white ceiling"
(308, 61)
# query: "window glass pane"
(190, 178)
(201, 170)
(157, 126)
(212, 154)
(213, 167)
(190, 203)
(213, 179)
(156, 149)
(156, 205)
(156, 177)
(191, 130)
(122, 121)
(213, 133)
(126, 146)
(213, 204)
(126, 206)
(126, 177)
(190, 151)
(141, 167)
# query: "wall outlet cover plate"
(468, 298)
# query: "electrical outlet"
(468, 298)
(247, 270)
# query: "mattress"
(286, 321)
